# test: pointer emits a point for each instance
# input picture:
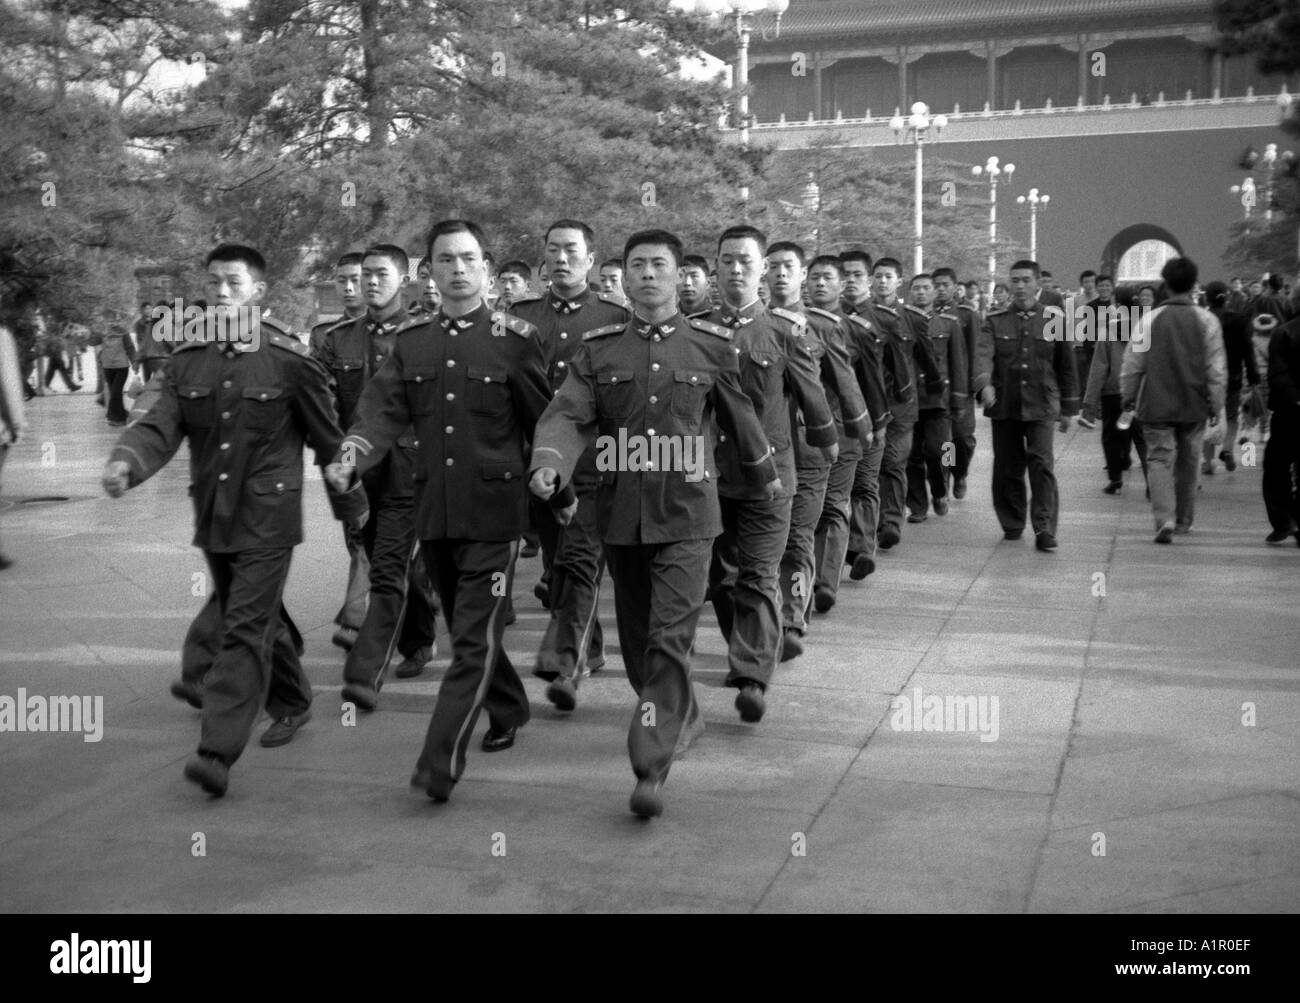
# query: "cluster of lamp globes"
(726, 8)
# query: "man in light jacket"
(1175, 372)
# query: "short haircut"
(744, 232)
(615, 263)
(393, 253)
(1088, 274)
(918, 277)
(827, 261)
(791, 247)
(856, 255)
(887, 263)
(351, 258)
(940, 273)
(1026, 263)
(588, 234)
(694, 261)
(250, 256)
(644, 237)
(1104, 277)
(519, 268)
(446, 227)
(1275, 281)
(1180, 275)
(1044, 274)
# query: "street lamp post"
(1246, 192)
(992, 171)
(916, 127)
(746, 15)
(1035, 201)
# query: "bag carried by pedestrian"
(134, 384)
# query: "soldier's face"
(884, 283)
(824, 285)
(1236, 285)
(1089, 286)
(695, 284)
(429, 295)
(1001, 296)
(922, 293)
(652, 275)
(740, 268)
(231, 284)
(944, 288)
(568, 258)
(611, 282)
(513, 287)
(348, 280)
(382, 280)
(1024, 286)
(856, 279)
(785, 275)
(459, 270)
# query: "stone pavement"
(1120, 727)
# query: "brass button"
(564, 335)
(279, 485)
(263, 397)
(487, 379)
(225, 445)
(654, 367)
(657, 338)
(613, 379)
(649, 431)
(419, 379)
(654, 399)
(225, 415)
(451, 363)
(559, 365)
(695, 379)
(223, 477)
(508, 475)
(450, 462)
(226, 384)
(722, 438)
(449, 429)
(451, 397)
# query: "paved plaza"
(1147, 752)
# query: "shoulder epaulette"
(418, 320)
(916, 310)
(699, 313)
(708, 327)
(966, 306)
(824, 313)
(995, 313)
(606, 297)
(520, 326)
(601, 332)
(793, 316)
(334, 325)
(888, 309)
(279, 339)
(526, 299)
(858, 319)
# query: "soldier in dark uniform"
(572, 554)
(246, 410)
(963, 421)
(654, 379)
(1025, 382)
(693, 298)
(825, 288)
(398, 617)
(473, 383)
(778, 373)
(825, 342)
(932, 447)
(347, 277)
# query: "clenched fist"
(116, 478)
(544, 483)
(339, 476)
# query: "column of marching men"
(830, 414)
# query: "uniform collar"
(463, 322)
(388, 323)
(565, 307)
(739, 317)
(661, 330)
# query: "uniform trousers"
(574, 636)
(1017, 446)
(798, 565)
(963, 429)
(742, 584)
(831, 541)
(1282, 470)
(893, 475)
(658, 594)
(1173, 465)
(931, 438)
(865, 497)
(473, 579)
(249, 587)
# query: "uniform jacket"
(777, 371)
(825, 341)
(1034, 379)
(1182, 376)
(907, 355)
(969, 319)
(473, 387)
(867, 354)
(246, 415)
(1238, 348)
(667, 382)
(562, 323)
(948, 346)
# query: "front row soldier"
(246, 409)
(655, 381)
(1026, 383)
(473, 383)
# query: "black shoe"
(5, 563)
(1113, 488)
(191, 693)
(282, 731)
(1165, 534)
(888, 538)
(645, 801)
(862, 566)
(562, 693)
(791, 644)
(1045, 542)
(497, 741)
(823, 599)
(750, 702)
(529, 549)
(959, 488)
(543, 594)
(344, 637)
(1229, 461)
(1278, 537)
(416, 663)
(1012, 534)
(208, 772)
(915, 517)
(940, 506)
(850, 556)
(437, 788)
(366, 697)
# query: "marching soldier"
(654, 380)
(246, 408)
(854, 476)
(693, 290)
(825, 342)
(777, 373)
(932, 448)
(398, 616)
(1025, 383)
(347, 277)
(473, 383)
(574, 643)
(946, 302)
